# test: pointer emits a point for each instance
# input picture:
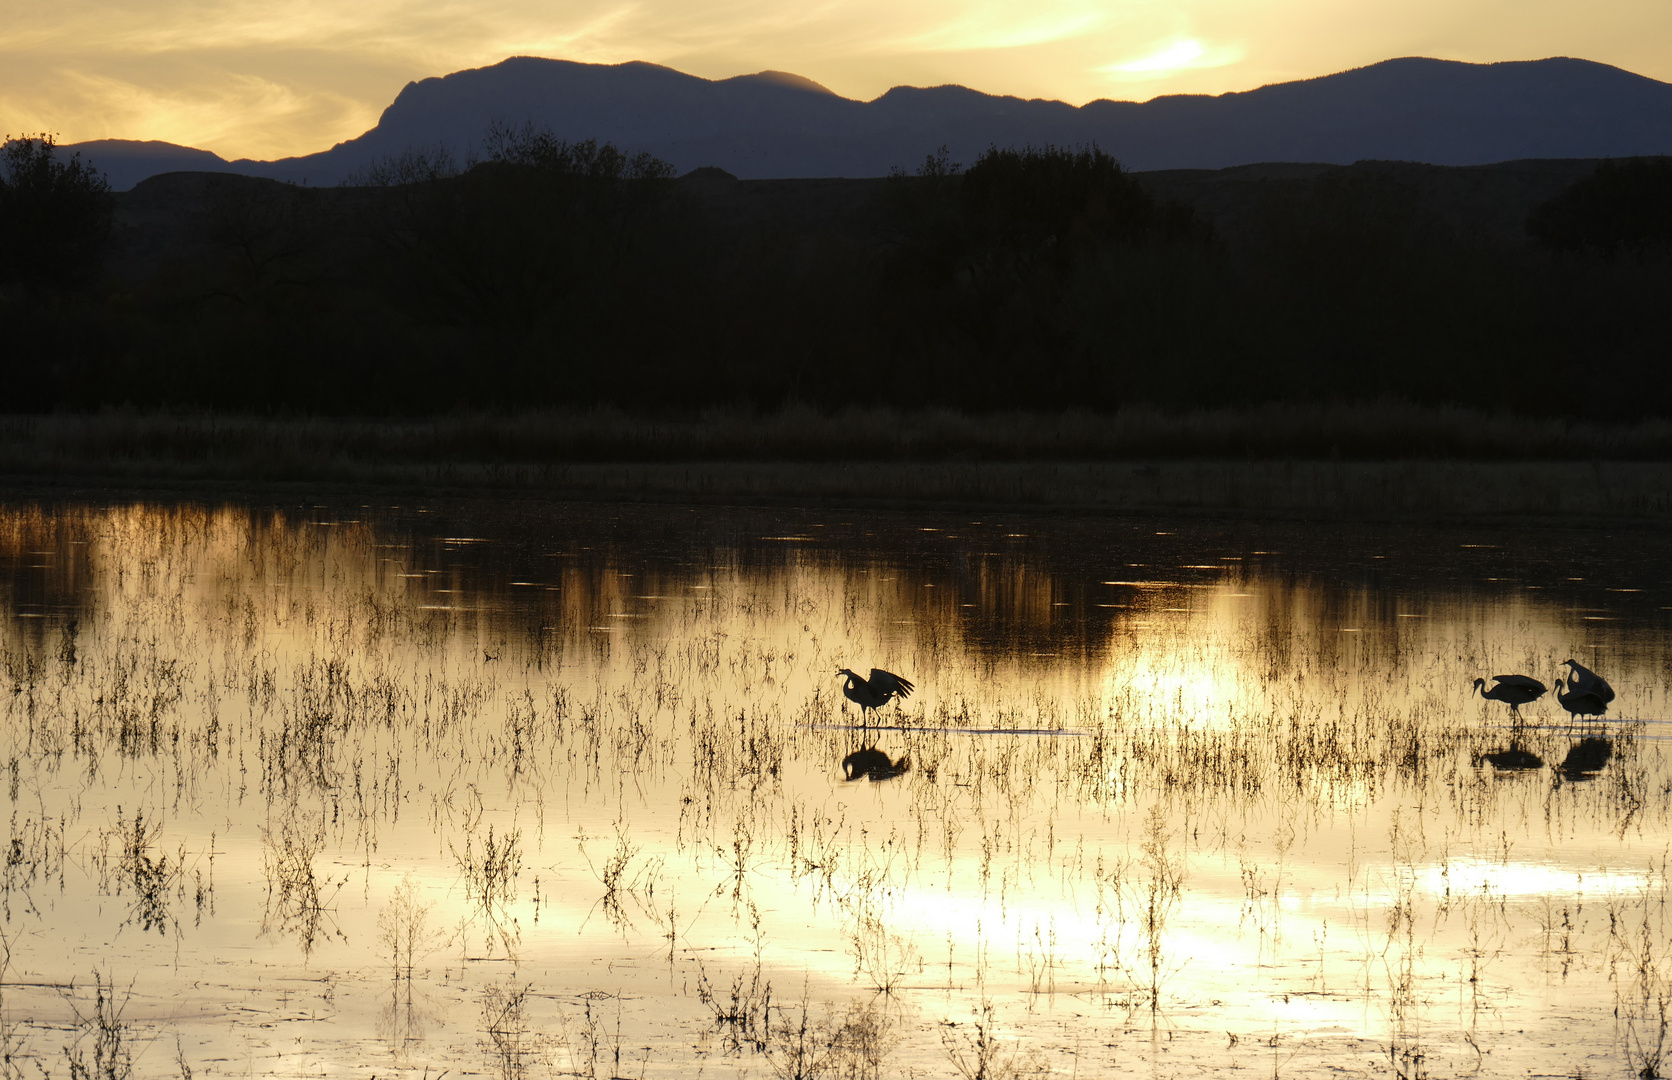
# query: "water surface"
(530, 790)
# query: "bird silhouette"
(1513, 690)
(873, 763)
(875, 692)
(1580, 702)
(1586, 681)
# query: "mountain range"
(778, 125)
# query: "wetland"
(530, 789)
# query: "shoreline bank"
(1562, 494)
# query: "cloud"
(1001, 28)
(234, 115)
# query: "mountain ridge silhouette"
(779, 125)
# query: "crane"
(1580, 702)
(875, 692)
(1586, 681)
(1513, 690)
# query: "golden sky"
(269, 78)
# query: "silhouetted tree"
(1623, 207)
(55, 215)
(995, 268)
(549, 272)
(530, 260)
(1054, 204)
(504, 245)
(540, 149)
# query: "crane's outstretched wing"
(1525, 682)
(1598, 686)
(1590, 682)
(886, 684)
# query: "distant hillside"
(125, 162)
(779, 125)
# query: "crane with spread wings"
(874, 692)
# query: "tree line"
(555, 273)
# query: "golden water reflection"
(361, 788)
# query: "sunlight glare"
(1181, 54)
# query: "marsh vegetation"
(553, 790)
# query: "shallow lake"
(528, 790)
